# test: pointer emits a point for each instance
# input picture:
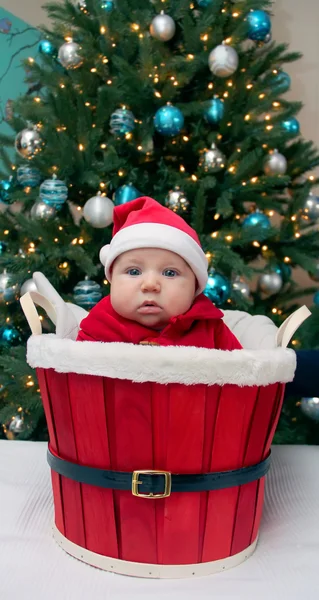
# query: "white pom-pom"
(104, 252)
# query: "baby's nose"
(150, 282)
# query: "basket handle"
(28, 302)
(290, 326)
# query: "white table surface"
(285, 565)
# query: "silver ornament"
(43, 211)
(16, 425)
(28, 142)
(310, 408)
(276, 164)
(270, 283)
(9, 289)
(28, 286)
(213, 160)
(311, 208)
(69, 56)
(223, 60)
(163, 27)
(98, 211)
(239, 285)
(177, 201)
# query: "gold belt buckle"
(136, 482)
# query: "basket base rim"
(150, 571)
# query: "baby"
(158, 271)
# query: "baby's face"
(151, 285)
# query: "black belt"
(157, 484)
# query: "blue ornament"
(204, 3)
(9, 336)
(316, 298)
(46, 47)
(169, 120)
(3, 247)
(281, 82)
(284, 270)
(122, 122)
(256, 218)
(107, 5)
(125, 194)
(28, 176)
(87, 293)
(218, 288)
(5, 189)
(291, 126)
(214, 111)
(53, 192)
(259, 25)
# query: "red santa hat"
(144, 223)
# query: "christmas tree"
(186, 105)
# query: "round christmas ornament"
(122, 122)
(5, 189)
(163, 27)
(223, 60)
(82, 5)
(311, 207)
(291, 126)
(218, 288)
(46, 47)
(3, 248)
(69, 56)
(239, 285)
(28, 286)
(316, 298)
(204, 3)
(310, 408)
(87, 293)
(107, 5)
(9, 336)
(214, 111)
(9, 289)
(41, 210)
(28, 176)
(169, 120)
(213, 160)
(275, 164)
(257, 218)
(177, 201)
(28, 142)
(281, 82)
(54, 192)
(98, 211)
(259, 25)
(284, 270)
(125, 194)
(17, 424)
(315, 275)
(270, 283)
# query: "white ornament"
(163, 27)
(43, 211)
(223, 60)
(276, 164)
(98, 211)
(270, 283)
(69, 55)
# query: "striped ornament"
(122, 122)
(28, 176)
(53, 192)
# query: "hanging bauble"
(107, 5)
(28, 176)
(28, 286)
(46, 47)
(9, 336)
(125, 194)
(41, 210)
(54, 192)
(169, 120)
(3, 248)
(177, 201)
(257, 218)
(204, 3)
(82, 5)
(275, 164)
(213, 160)
(223, 60)
(5, 189)
(28, 142)
(69, 56)
(316, 298)
(122, 122)
(163, 27)
(259, 25)
(98, 211)
(315, 274)
(214, 111)
(311, 207)
(281, 82)
(218, 288)
(87, 293)
(267, 39)
(310, 408)
(9, 289)
(270, 283)
(240, 285)
(17, 424)
(284, 270)
(291, 126)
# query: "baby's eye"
(170, 273)
(134, 272)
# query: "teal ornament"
(284, 270)
(257, 219)
(169, 120)
(125, 194)
(122, 122)
(107, 5)
(46, 47)
(218, 288)
(291, 126)
(9, 336)
(3, 248)
(204, 3)
(53, 192)
(316, 298)
(281, 82)
(28, 176)
(214, 111)
(310, 408)
(259, 25)
(87, 293)
(5, 189)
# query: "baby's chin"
(151, 321)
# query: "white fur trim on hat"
(157, 235)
